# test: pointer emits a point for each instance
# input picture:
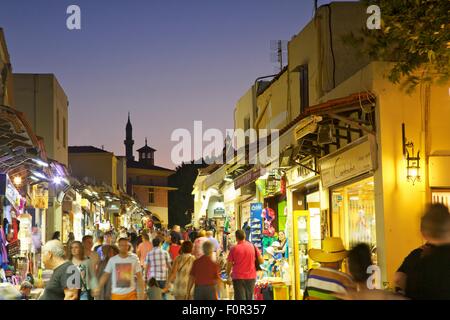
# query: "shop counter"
(272, 288)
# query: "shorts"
(129, 296)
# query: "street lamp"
(412, 161)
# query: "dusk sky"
(167, 62)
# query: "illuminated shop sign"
(8, 190)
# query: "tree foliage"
(415, 36)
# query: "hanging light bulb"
(17, 180)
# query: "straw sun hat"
(333, 250)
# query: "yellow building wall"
(272, 105)
(440, 120)
(312, 46)
(243, 109)
(403, 202)
(399, 203)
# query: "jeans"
(244, 289)
(162, 285)
(205, 293)
(84, 295)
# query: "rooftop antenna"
(278, 52)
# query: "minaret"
(129, 142)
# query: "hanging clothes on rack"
(3, 252)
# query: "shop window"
(151, 195)
(353, 213)
(441, 196)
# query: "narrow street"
(185, 150)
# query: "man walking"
(205, 275)
(123, 268)
(242, 261)
(326, 282)
(88, 244)
(216, 246)
(176, 234)
(425, 272)
(65, 281)
(144, 248)
(107, 240)
(157, 264)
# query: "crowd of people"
(154, 265)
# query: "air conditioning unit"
(306, 126)
(325, 134)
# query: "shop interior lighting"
(34, 178)
(40, 162)
(17, 180)
(39, 175)
(57, 180)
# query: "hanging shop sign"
(216, 207)
(8, 190)
(219, 212)
(273, 184)
(256, 224)
(283, 185)
(355, 159)
(301, 173)
(248, 177)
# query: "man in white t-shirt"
(123, 268)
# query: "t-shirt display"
(25, 232)
(123, 271)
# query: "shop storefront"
(306, 224)
(266, 219)
(439, 179)
(37, 208)
(348, 175)
(15, 234)
(227, 225)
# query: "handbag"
(257, 266)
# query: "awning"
(20, 148)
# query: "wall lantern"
(412, 159)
